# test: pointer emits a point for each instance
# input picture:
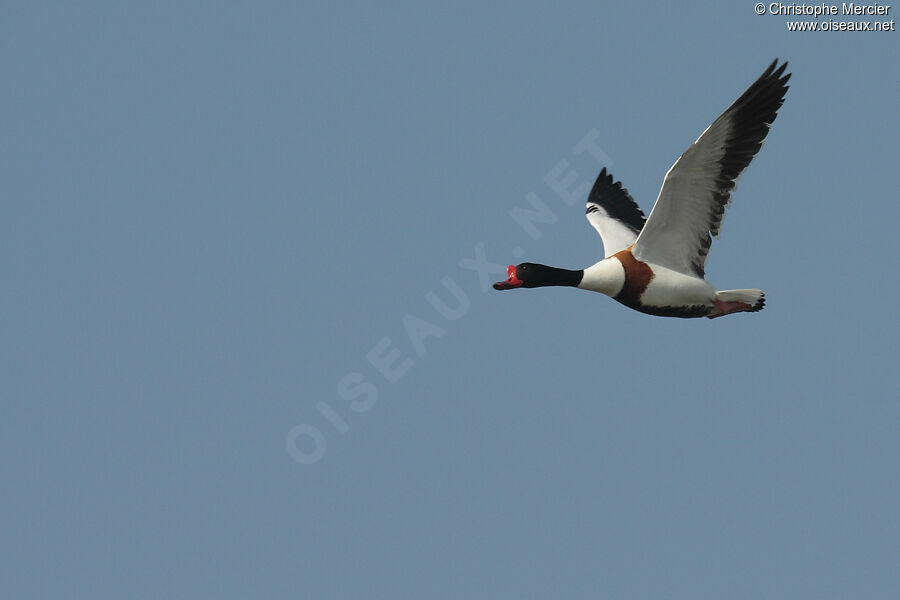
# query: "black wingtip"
(777, 74)
(615, 201)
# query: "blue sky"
(223, 374)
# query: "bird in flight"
(656, 264)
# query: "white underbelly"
(671, 288)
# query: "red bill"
(512, 281)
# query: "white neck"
(606, 277)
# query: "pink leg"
(726, 308)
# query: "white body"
(666, 288)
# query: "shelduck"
(656, 264)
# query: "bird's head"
(526, 275)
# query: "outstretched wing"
(614, 214)
(698, 187)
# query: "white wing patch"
(615, 234)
